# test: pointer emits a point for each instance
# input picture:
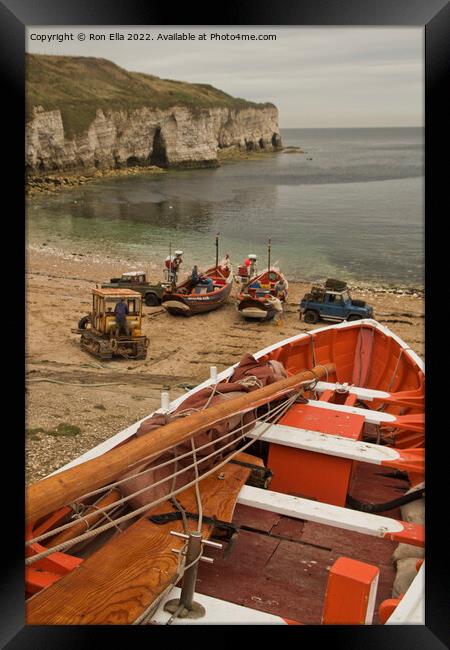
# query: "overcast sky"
(317, 77)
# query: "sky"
(324, 77)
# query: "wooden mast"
(56, 491)
(268, 261)
(217, 249)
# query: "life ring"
(113, 344)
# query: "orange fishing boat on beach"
(262, 296)
(278, 491)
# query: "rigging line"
(277, 409)
(75, 541)
(150, 610)
(146, 507)
(143, 618)
(371, 356)
(313, 350)
(197, 489)
(270, 413)
(395, 371)
(175, 501)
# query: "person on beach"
(172, 265)
(280, 289)
(120, 312)
(195, 276)
(198, 278)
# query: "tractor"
(100, 333)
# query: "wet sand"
(98, 399)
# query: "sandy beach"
(74, 401)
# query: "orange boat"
(275, 492)
(262, 298)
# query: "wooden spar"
(217, 250)
(56, 491)
(268, 260)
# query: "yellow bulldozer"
(104, 336)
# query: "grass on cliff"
(78, 86)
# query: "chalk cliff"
(147, 130)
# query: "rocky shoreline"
(50, 183)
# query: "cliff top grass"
(78, 86)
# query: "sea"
(348, 204)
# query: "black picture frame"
(433, 15)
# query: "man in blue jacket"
(121, 312)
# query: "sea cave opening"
(159, 154)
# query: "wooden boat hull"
(262, 297)
(252, 308)
(388, 378)
(189, 304)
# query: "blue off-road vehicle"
(332, 302)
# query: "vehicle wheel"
(354, 317)
(151, 300)
(82, 323)
(311, 317)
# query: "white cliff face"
(174, 137)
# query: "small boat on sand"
(262, 296)
(210, 290)
(277, 491)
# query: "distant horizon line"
(306, 128)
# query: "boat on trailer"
(299, 462)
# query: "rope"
(326, 373)
(395, 371)
(270, 412)
(313, 351)
(30, 560)
(71, 383)
(197, 489)
(250, 382)
(174, 500)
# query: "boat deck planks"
(281, 564)
(124, 577)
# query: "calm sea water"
(351, 206)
